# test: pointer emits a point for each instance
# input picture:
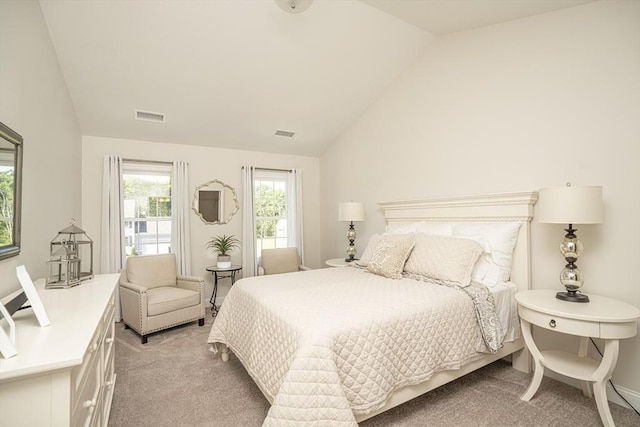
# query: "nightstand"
(604, 318)
(336, 262)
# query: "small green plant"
(224, 244)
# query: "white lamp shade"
(570, 205)
(351, 211)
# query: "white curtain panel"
(294, 218)
(112, 256)
(249, 263)
(180, 216)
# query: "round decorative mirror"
(215, 202)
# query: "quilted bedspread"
(326, 344)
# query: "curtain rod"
(271, 169)
(155, 162)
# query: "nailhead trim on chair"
(144, 337)
(140, 309)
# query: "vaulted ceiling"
(230, 73)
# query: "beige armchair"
(280, 260)
(154, 297)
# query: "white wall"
(205, 164)
(34, 102)
(516, 106)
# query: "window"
(270, 200)
(6, 196)
(147, 208)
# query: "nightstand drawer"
(561, 324)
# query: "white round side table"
(605, 318)
(336, 262)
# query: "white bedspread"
(325, 344)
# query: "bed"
(336, 346)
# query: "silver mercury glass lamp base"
(571, 276)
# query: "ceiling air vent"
(149, 116)
(286, 133)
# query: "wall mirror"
(10, 191)
(215, 202)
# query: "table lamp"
(351, 211)
(570, 205)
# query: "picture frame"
(32, 295)
(8, 345)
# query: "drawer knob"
(552, 323)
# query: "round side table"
(605, 318)
(217, 273)
(336, 262)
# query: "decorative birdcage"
(71, 259)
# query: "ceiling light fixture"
(294, 6)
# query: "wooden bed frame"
(500, 207)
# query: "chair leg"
(144, 339)
(201, 322)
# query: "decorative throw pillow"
(443, 258)
(390, 254)
(498, 241)
(368, 251)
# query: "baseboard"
(632, 396)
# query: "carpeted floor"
(174, 380)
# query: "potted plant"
(223, 245)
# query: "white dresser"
(63, 374)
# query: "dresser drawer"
(560, 324)
(109, 312)
(90, 356)
(107, 390)
(109, 328)
(87, 402)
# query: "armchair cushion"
(169, 298)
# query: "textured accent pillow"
(368, 251)
(390, 254)
(444, 258)
(498, 241)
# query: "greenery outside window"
(6, 196)
(10, 191)
(147, 208)
(270, 200)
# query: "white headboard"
(499, 207)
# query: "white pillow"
(444, 258)
(404, 228)
(436, 228)
(390, 254)
(498, 240)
